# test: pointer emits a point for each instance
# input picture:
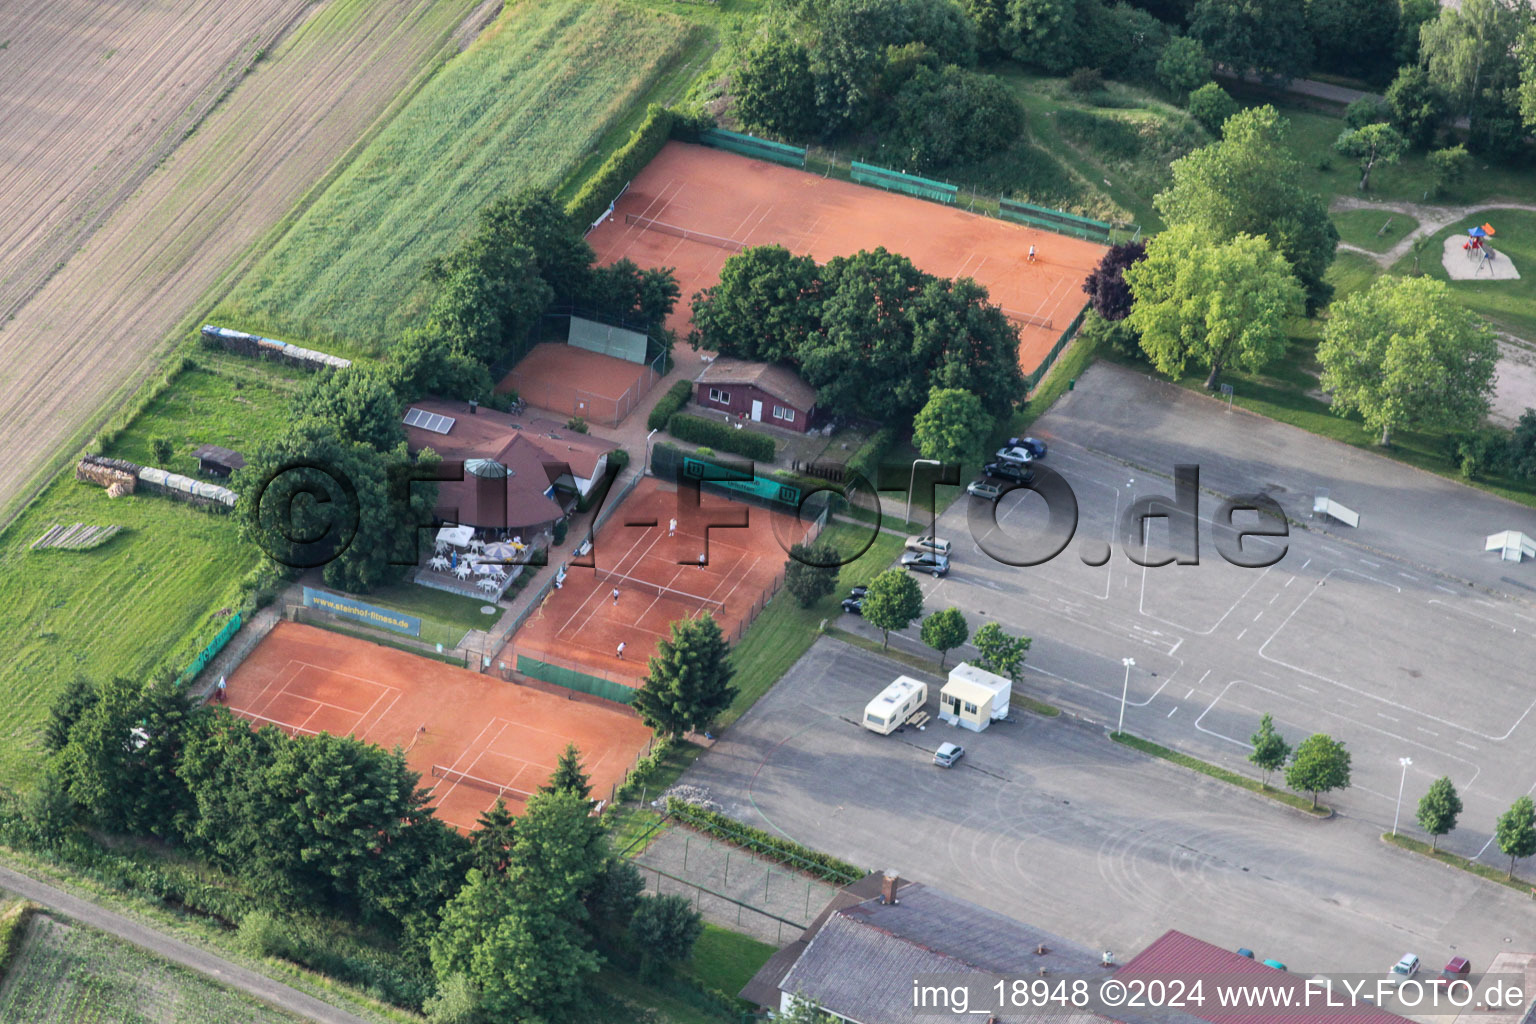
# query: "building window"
(970, 708)
(716, 395)
(781, 413)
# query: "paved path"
(1432, 220)
(239, 978)
(1306, 87)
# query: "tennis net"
(1028, 318)
(442, 771)
(621, 581)
(693, 236)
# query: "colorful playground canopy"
(1489, 228)
(1477, 232)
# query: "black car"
(1033, 445)
(1009, 471)
(854, 605)
(858, 592)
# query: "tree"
(774, 89)
(1520, 449)
(1366, 110)
(1438, 810)
(1045, 34)
(1127, 41)
(1516, 831)
(765, 307)
(517, 938)
(1412, 14)
(855, 36)
(1351, 35)
(1107, 291)
(162, 449)
(491, 842)
(48, 812)
(810, 574)
(1449, 167)
(1405, 354)
(1526, 52)
(1373, 144)
(568, 776)
(536, 219)
(688, 680)
(952, 116)
(612, 900)
(1213, 303)
(665, 928)
(1417, 106)
(68, 705)
(952, 427)
(944, 631)
(1211, 105)
(1249, 183)
(1267, 36)
(1321, 765)
(804, 1011)
(892, 601)
(1000, 653)
(1470, 52)
(357, 403)
(1269, 748)
(1183, 66)
(120, 763)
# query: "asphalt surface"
(1048, 821)
(221, 970)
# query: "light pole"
(911, 479)
(648, 451)
(1405, 762)
(1129, 664)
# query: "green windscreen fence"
(751, 145)
(1033, 379)
(608, 341)
(571, 679)
(923, 188)
(1054, 220)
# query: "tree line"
(511, 921)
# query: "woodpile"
(113, 474)
(75, 537)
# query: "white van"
(895, 704)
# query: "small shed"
(216, 461)
(974, 698)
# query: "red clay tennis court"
(727, 201)
(575, 382)
(467, 734)
(580, 625)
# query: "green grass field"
(725, 960)
(1376, 230)
(70, 974)
(1509, 304)
(527, 102)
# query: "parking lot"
(1049, 822)
(1401, 638)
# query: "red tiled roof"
(1176, 955)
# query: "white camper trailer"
(896, 703)
(974, 698)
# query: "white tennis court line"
(356, 728)
(290, 669)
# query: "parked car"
(1009, 471)
(858, 591)
(1019, 455)
(1033, 445)
(928, 542)
(1407, 967)
(1276, 964)
(991, 490)
(1456, 967)
(854, 605)
(1245, 951)
(948, 754)
(926, 561)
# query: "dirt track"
(97, 323)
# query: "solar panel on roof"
(432, 421)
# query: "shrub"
(618, 459)
(623, 165)
(577, 424)
(762, 843)
(1366, 110)
(746, 443)
(867, 460)
(676, 397)
(704, 451)
(262, 935)
(163, 449)
(1449, 167)
(1085, 81)
(1211, 106)
(562, 527)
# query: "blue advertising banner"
(367, 614)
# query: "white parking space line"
(1170, 713)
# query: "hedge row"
(757, 447)
(12, 927)
(644, 772)
(623, 165)
(762, 843)
(671, 403)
